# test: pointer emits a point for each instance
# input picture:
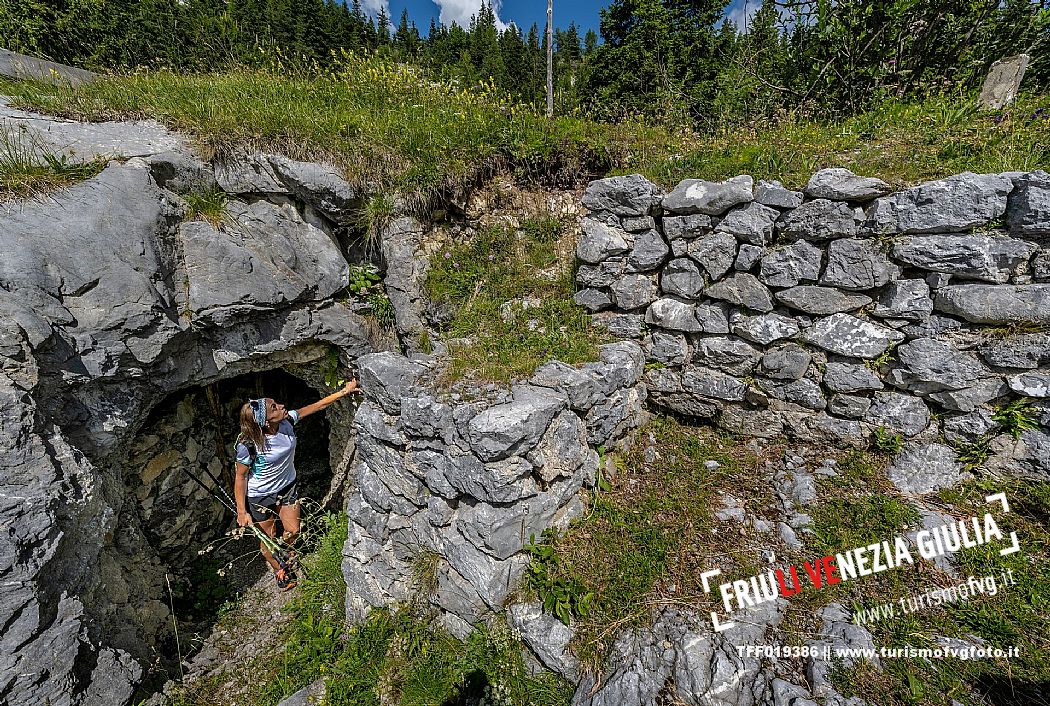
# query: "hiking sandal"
(285, 579)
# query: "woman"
(265, 484)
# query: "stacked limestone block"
(469, 482)
(768, 310)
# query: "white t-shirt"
(274, 466)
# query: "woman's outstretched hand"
(350, 387)
(243, 519)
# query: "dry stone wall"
(469, 481)
(836, 311)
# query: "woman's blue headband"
(259, 410)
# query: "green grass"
(647, 537)
(30, 168)
(206, 204)
(477, 278)
(392, 129)
(396, 656)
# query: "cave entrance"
(192, 434)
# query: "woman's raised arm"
(325, 402)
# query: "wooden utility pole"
(550, 59)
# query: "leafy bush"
(974, 454)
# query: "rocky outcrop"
(112, 301)
(841, 309)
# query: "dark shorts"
(265, 507)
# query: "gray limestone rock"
(609, 420)
(729, 354)
(744, 290)
(581, 386)
(858, 264)
(425, 417)
(850, 377)
(748, 255)
(990, 258)
(1028, 208)
(708, 197)
(1022, 351)
(620, 325)
(849, 336)
(955, 204)
(995, 304)
(599, 241)
(674, 315)
(752, 223)
(839, 633)
(686, 227)
(773, 193)
(925, 468)
(634, 291)
(1030, 384)
(905, 299)
(712, 384)
(967, 428)
(546, 636)
(514, 427)
(803, 392)
(788, 362)
(322, 186)
(900, 413)
(928, 365)
(764, 328)
(715, 253)
(819, 220)
(637, 224)
(668, 349)
(625, 196)
(840, 184)
(593, 299)
(1040, 266)
(968, 398)
(789, 265)
(242, 173)
(713, 318)
(821, 300)
(268, 254)
(649, 252)
(309, 695)
(386, 378)
(849, 406)
(604, 274)
(681, 277)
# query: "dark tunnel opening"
(182, 453)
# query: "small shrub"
(382, 311)
(887, 442)
(877, 364)
(373, 218)
(1017, 417)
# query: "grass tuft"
(206, 204)
(29, 168)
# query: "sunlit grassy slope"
(390, 127)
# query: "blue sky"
(522, 12)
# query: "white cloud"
(741, 13)
(372, 7)
(460, 12)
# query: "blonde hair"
(250, 429)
